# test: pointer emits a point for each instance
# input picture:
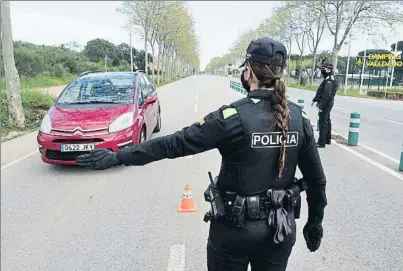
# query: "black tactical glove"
(313, 233)
(98, 159)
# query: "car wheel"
(158, 126)
(143, 136)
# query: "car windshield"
(106, 88)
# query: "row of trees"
(304, 22)
(168, 28)
(34, 60)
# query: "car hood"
(86, 118)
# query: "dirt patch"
(54, 91)
(339, 139)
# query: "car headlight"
(46, 125)
(122, 122)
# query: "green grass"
(350, 92)
(35, 105)
(41, 81)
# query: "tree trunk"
(159, 63)
(15, 109)
(300, 69)
(313, 66)
(153, 55)
(145, 51)
(164, 64)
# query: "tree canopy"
(303, 23)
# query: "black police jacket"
(326, 92)
(245, 135)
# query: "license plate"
(76, 147)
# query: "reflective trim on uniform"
(304, 115)
(354, 130)
(355, 120)
(228, 112)
(255, 100)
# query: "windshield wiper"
(92, 102)
(101, 102)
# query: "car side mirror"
(151, 100)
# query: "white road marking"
(16, 161)
(195, 109)
(197, 95)
(394, 121)
(370, 161)
(176, 261)
(381, 154)
(367, 159)
(373, 150)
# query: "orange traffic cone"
(187, 204)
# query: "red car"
(110, 110)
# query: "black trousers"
(232, 249)
(325, 125)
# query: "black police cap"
(327, 65)
(266, 51)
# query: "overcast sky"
(218, 24)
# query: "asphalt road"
(56, 218)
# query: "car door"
(146, 108)
(154, 106)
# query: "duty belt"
(252, 211)
(274, 207)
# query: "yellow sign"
(382, 60)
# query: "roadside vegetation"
(166, 27)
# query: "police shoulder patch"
(228, 112)
(273, 140)
(254, 100)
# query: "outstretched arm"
(311, 168)
(214, 130)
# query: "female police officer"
(262, 138)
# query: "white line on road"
(381, 154)
(195, 109)
(197, 95)
(369, 160)
(373, 150)
(394, 121)
(16, 161)
(176, 261)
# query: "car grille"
(78, 141)
(64, 156)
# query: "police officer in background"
(262, 138)
(324, 99)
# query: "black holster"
(213, 196)
(294, 197)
